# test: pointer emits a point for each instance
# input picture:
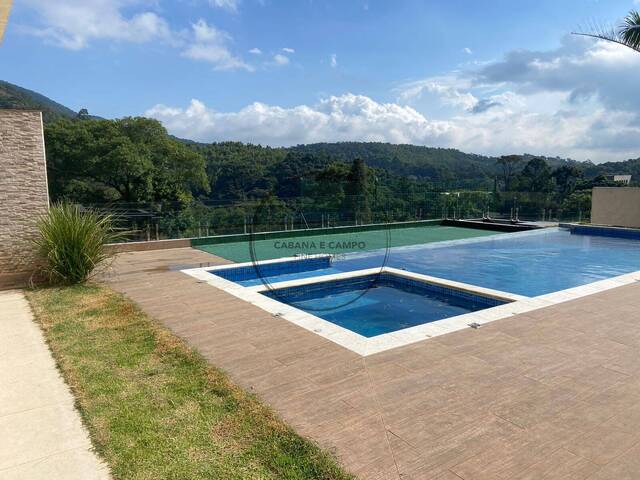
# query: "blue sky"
(490, 77)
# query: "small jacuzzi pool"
(375, 304)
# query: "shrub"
(72, 242)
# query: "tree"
(536, 176)
(627, 34)
(357, 192)
(566, 178)
(329, 188)
(509, 164)
(128, 160)
(577, 205)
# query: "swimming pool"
(525, 271)
(376, 304)
(528, 263)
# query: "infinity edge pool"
(254, 293)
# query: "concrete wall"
(617, 206)
(23, 192)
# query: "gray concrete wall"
(618, 206)
(23, 192)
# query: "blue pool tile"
(613, 232)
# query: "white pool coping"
(485, 292)
(364, 346)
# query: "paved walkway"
(553, 394)
(41, 434)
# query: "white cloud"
(210, 45)
(450, 89)
(467, 50)
(333, 60)
(582, 68)
(578, 100)
(73, 24)
(230, 5)
(279, 59)
(347, 117)
(288, 50)
(255, 51)
(511, 127)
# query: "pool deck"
(550, 394)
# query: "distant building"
(624, 179)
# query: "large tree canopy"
(536, 176)
(128, 160)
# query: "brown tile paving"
(553, 394)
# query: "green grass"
(368, 240)
(154, 408)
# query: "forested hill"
(13, 96)
(446, 166)
(628, 167)
(440, 164)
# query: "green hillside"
(13, 96)
(243, 169)
(446, 165)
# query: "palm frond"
(627, 34)
(630, 30)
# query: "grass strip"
(154, 408)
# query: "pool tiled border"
(364, 346)
(603, 230)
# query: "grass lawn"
(154, 408)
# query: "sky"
(492, 77)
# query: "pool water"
(374, 305)
(284, 277)
(529, 263)
(257, 273)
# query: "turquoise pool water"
(530, 263)
(374, 305)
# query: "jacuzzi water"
(376, 304)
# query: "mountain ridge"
(14, 96)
